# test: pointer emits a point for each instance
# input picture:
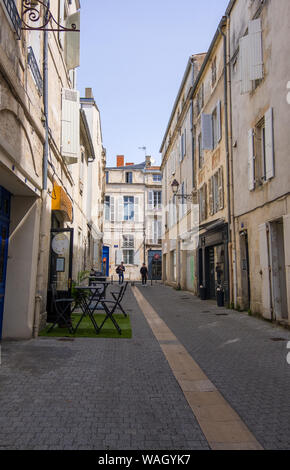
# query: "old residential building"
(47, 141)
(259, 70)
(133, 218)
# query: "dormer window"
(129, 177)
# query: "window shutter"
(137, 258)
(221, 189)
(119, 256)
(264, 263)
(269, 144)
(120, 209)
(136, 209)
(173, 162)
(219, 122)
(255, 49)
(181, 148)
(246, 84)
(206, 130)
(150, 200)
(72, 42)
(112, 209)
(251, 161)
(70, 121)
(210, 195)
(184, 143)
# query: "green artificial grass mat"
(86, 329)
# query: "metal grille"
(35, 70)
(14, 16)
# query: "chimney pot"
(120, 160)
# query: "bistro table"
(89, 303)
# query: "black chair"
(62, 309)
(118, 298)
(110, 306)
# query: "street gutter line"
(220, 424)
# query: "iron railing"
(35, 70)
(14, 16)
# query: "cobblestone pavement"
(94, 394)
(243, 356)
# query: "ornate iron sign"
(40, 11)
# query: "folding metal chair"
(118, 298)
(61, 308)
(110, 311)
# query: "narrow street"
(113, 394)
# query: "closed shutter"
(119, 256)
(221, 189)
(184, 143)
(251, 161)
(72, 42)
(207, 131)
(137, 258)
(112, 209)
(244, 63)
(269, 145)
(120, 209)
(70, 125)
(136, 209)
(181, 148)
(264, 263)
(150, 200)
(219, 122)
(255, 49)
(210, 195)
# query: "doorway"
(245, 270)
(5, 197)
(278, 271)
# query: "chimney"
(120, 160)
(148, 161)
(89, 93)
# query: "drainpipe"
(43, 217)
(227, 152)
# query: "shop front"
(213, 260)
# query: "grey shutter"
(244, 63)
(72, 42)
(219, 122)
(210, 195)
(269, 145)
(206, 129)
(264, 263)
(119, 256)
(137, 258)
(136, 209)
(70, 125)
(181, 148)
(255, 49)
(251, 161)
(150, 200)
(112, 209)
(221, 188)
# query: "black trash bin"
(202, 293)
(220, 297)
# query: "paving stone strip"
(221, 425)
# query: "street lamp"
(175, 186)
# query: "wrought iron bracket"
(31, 11)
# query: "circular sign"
(156, 256)
(60, 244)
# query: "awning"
(62, 203)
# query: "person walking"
(120, 271)
(144, 274)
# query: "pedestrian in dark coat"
(144, 274)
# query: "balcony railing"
(35, 70)
(14, 16)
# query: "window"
(154, 200)
(156, 237)
(216, 192)
(128, 241)
(183, 145)
(200, 152)
(129, 177)
(200, 99)
(128, 208)
(157, 178)
(215, 128)
(107, 177)
(261, 165)
(128, 256)
(213, 72)
(211, 128)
